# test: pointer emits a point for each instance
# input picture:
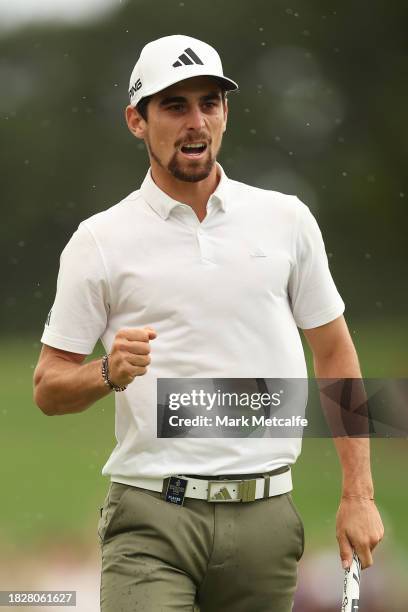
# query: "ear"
(135, 122)
(225, 114)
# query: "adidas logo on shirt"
(187, 58)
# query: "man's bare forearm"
(68, 387)
(354, 453)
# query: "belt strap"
(228, 490)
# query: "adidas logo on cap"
(187, 58)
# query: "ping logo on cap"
(135, 88)
(187, 58)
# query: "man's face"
(188, 113)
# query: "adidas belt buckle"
(245, 491)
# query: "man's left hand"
(359, 527)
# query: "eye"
(175, 107)
(210, 105)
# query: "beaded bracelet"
(105, 375)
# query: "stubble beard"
(197, 170)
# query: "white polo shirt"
(225, 297)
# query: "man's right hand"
(130, 354)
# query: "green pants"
(161, 557)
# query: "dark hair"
(141, 107)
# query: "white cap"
(171, 59)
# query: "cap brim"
(226, 83)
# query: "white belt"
(228, 490)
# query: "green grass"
(51, 467)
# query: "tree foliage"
(321, 113)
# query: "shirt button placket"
(205, 250)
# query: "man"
(198, 276)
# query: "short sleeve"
(313, 294)
(79, 314)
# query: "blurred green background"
(321, 113)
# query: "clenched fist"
(130, 354)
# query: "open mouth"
(196, 149)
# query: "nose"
(195, 120)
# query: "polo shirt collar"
(164, 204)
